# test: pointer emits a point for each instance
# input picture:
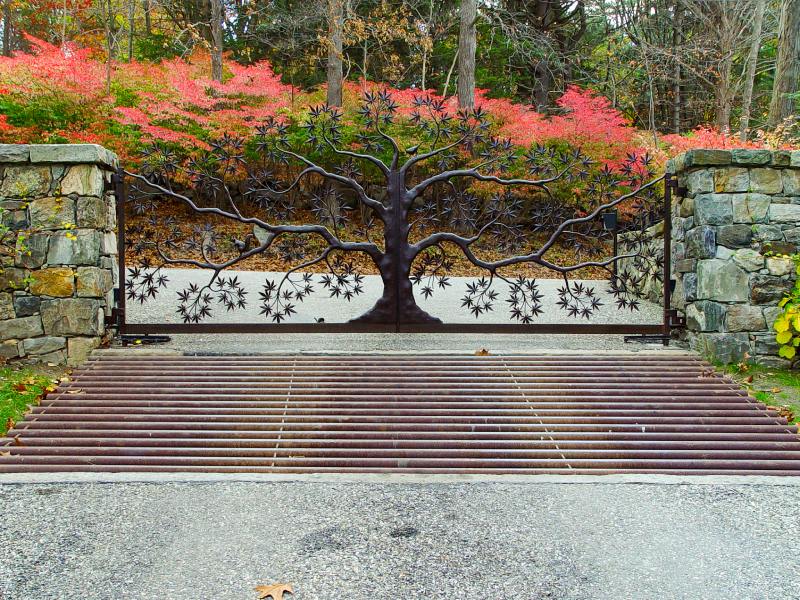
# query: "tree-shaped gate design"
(409, 210)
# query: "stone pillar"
(738, 218)
(59, 250)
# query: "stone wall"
(59, 268)
(738, 217)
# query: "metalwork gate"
(462, 198)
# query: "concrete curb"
(144, 351)
(402, 479)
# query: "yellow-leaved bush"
(787, 325)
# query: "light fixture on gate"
(610, 220)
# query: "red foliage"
(66, 69)
(177, 101)
(189, 100)
(704, 137)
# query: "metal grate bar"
(625, 413)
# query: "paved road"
(445, 304)
(349, 539)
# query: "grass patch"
(774, 387)
(20, 389)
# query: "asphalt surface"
(445, 304)
(386, 538)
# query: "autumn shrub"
(67, 94)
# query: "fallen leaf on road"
(748, 379)
(75, 391)
(274, 591)
(776, 390)
(17, 441)
(482, 352)
(5, 453)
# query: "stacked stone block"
(738, 218)
(56, 285)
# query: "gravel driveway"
(384, 538)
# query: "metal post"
(119, 193)
(670, 182)
(611, 223)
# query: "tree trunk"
(216, 40)
(335, 72)
(467, 42)
(450, 74)
(677, 75)
(750, 74)
(787, 66)
(131, 27)
(7, 28)
(148, 26)
(724, 99)
(542, 83)
(109, 31)
(397, 303)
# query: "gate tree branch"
(466, 153)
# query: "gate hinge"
(672, 182)
(675, 319)
(109, 185)
(117, 316)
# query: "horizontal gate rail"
(500, 328)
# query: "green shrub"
(787, 325)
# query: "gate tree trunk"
(335, 71)
(787, 67)
(467, 42)
(397, 303)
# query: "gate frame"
(660, 332)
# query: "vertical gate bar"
(119, 193)
(616, 241)
(669, 183)
(396, 199)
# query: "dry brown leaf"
(274, 590)
(748, 379)
(75, 391)
(19, 387)
(776, 390)
(5, 453)
(482, 352)
(10, 423)
(17, 441)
